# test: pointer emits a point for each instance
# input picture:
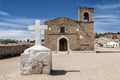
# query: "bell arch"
(86, 16)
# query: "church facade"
(64, 34)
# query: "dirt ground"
(81, 66)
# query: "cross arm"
(31, 27)
(42, 27)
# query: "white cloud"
(18, 20)
(18, 34)
(100, 30)
(22, 20)
(16, 28)
(106, 16)
(110, 6)
(19, 23)
(106, 23)
(107, 19)
(11, 25)
(3, 13)
(6, 20)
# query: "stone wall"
(81, 12)
(12, 50)
(36, 61)
(79, 34)
(73, 31)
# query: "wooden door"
(63, 44)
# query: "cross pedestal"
(36, 59)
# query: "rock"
(36, 60)
(46, 69)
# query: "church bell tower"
(85, 14)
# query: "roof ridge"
(60, 18)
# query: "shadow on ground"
(61, 72)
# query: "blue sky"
(17, 15)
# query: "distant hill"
(6, 41)
(108, 35)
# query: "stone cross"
(38, 28)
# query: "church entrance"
(63, 44)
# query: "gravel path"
(83, 66)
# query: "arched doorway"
(63, 45)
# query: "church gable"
(60, 20)
(62, 26)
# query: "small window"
(62, 29)
(86, 17)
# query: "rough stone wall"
(81, 12)
(51, 42)
(88, 36)
(36, 62)
(84, 29)
(73, 31)
(12, 50)
(54, 34)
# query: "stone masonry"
(77, 35)
(36, 60)
(12, 50)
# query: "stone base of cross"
(38, 28)
(36, 59)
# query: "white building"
(112, 44)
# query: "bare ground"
(82, 66)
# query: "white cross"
(38, 28)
